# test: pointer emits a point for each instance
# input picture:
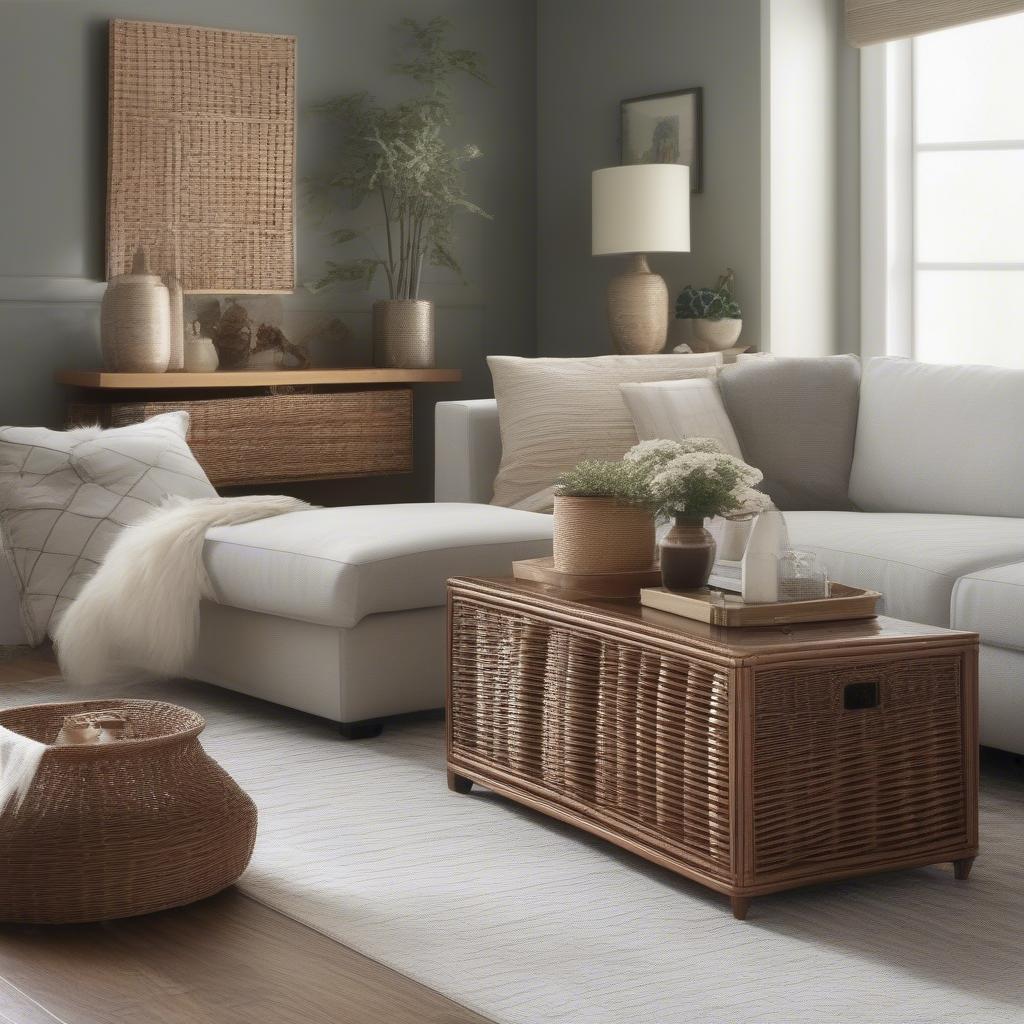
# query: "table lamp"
(639, 209)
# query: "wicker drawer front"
(637, 738)
(859, 761)
(276, 438)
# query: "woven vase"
(602, 535)
(135, 322)
(121, 829)
(403, 333)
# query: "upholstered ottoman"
(340, 611)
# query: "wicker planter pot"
(602, 535)
(121, 829)
(403, 333)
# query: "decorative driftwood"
(202, 155)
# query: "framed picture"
(665, 128)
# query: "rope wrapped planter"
(123, 828)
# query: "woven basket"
(121, 829)
(602, 535)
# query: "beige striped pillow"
(554, 412)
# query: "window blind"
(879, 21)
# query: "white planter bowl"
(717, 335)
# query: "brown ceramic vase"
(687, 554)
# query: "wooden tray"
(844, 603)
(605, 584)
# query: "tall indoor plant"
(398, 157)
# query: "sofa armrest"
(467, 450)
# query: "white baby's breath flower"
(657, 449)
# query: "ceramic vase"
(135, 321)
(687, 555)
(601, 535)
(760, 565)
(200, 353)
(403, 333)
(176, 301)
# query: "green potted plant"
(602, 524)
(714, 313)
(689, 481)
(398, 156)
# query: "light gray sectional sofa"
(908, 480)
(918, 474)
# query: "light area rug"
(531, 922)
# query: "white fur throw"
(139, 614)
(19, 762)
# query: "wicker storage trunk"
(121, 829)
(751, 760)
(275, 438)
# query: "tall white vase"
(177, 305)
(760, 565)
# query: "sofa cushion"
(554, 412)
(991, 602)
(913, 560)
(939, 439)
(334, 566)
(66, 495)
(674, 410)
(796, 420)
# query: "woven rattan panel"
(202, 155)
(832, 783)
(638, 736)
(276, 438)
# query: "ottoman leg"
(962, 868)
(364, 730)
(740, 906)
(459, 783)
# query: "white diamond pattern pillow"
(65, 496)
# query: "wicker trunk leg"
(459, 783)
(962, 868)
(364, 730)
(740, 906)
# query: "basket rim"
(116, 746)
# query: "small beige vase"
(403, 333)
(135, 321)
(602, 535)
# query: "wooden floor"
(227, 960)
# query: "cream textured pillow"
(65, 496)
(678, 409)
(554, 412)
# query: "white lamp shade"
(641, 208)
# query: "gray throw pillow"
(796, 420)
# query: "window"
(967, 137)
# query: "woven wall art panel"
(202, 155)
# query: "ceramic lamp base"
(638, 310)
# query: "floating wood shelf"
(322, 376)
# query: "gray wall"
(52, 179)
(593, 53)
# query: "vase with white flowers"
(690, 481)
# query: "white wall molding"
(45, 291)
(887, 208)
